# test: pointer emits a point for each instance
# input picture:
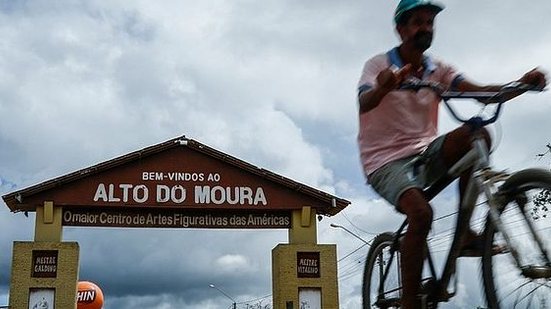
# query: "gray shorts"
(394, 178)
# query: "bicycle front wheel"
(520, 277)
(382, 285)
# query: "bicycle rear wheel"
(382, 284)
(526, 200)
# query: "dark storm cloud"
(173, 262)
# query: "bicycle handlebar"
(498, 97)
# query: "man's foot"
(474, 247)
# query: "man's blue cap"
(407, 5)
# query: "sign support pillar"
(45, 272)
(303, 271)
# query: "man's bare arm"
(534, 77)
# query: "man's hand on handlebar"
(534, 77)
(533, 80)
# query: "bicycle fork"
(495, 205)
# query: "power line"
(356, 227)
(254, 300)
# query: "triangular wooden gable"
(178, 174)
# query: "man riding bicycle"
(398, 126)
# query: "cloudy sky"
(271, 82)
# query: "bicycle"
(519, 276)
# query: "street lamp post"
(234, 303)
(349, 232)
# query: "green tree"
(542, 200)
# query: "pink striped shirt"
(405, 122)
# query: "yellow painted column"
(46, 267)
(303, 226)
(286, 284)
(31, 272)
(48, 223)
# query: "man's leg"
(456, 144)
(419, 214)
